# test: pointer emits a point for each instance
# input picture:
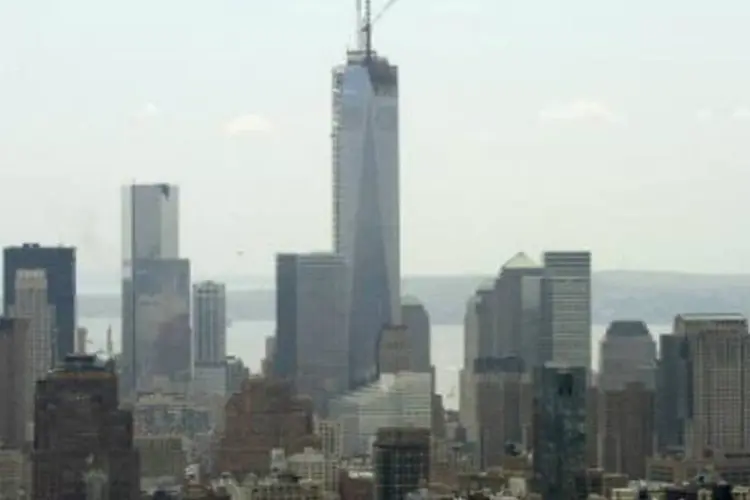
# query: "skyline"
(513, 161)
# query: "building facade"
(83, 444)
(559, 459)
(401, 460)
(13, 389)
(566, 309)
(416, 319)
(150, 235)
(59, 266)
(210, 322)
(518, 323)
(312, 339)
(366, 227)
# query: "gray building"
(151, 308)
(566, 308)
(210, 322)
(627, 355)
(415, 318)
(560, 393)
(59, 266)
(311, 324)
(366, 227)
(671, 400)
(518, 322)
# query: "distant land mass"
(654, 297)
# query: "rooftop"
(520, 261)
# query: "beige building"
(718, 380)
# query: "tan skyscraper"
(718, 382)
(32, 305)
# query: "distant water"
(246, 339)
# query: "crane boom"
(368, 21)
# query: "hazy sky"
(619, 126)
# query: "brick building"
(264, 415)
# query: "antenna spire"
(367, 29)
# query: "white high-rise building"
(365, 151)
(32, 304)
(210, 322)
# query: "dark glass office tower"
(59, 264)
(401, 459)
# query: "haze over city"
(616, 127)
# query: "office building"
(31, 304)
(150, 236)
(210, 322)
(395, 350)
(59, 267)
(13, 390)
(416, 319)
(311, 324)
(560, 431)
(402, 399)
(718, 362)
(264, 415)
(628, 355)
(83, 444)
(365, 144)
(566, 309)
(672, 398)
(518, 296)
(401, 461)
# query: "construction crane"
(366, 22)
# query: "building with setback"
(560, 431)
(311, 325)
(401, 460)
(366, 227)
(83, 444)
(59, 267)
(566, 309)
(155, 289)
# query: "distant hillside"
(652, 296)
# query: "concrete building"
(401, 461)
(13, 389)
(395, 350)
(237, 373)
(150, 235)
(165, 414)
(263, 416)
(628, 355)
(566, 309)
(718, 357)
(627, 384)
(14, 473)
(82, 441)
(503, 408)
(31, 304)
(518, 296)
(314, 466)
(403, 399)
(416, 319)
(163, 459)
(59, 267)
(210, 322)
(560, 431)
(366, 226)
(311, 325)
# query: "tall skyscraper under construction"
(365, 149)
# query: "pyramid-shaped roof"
(520, 261)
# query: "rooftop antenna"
(367, 30)
(359, 39)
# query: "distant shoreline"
(650, 296)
